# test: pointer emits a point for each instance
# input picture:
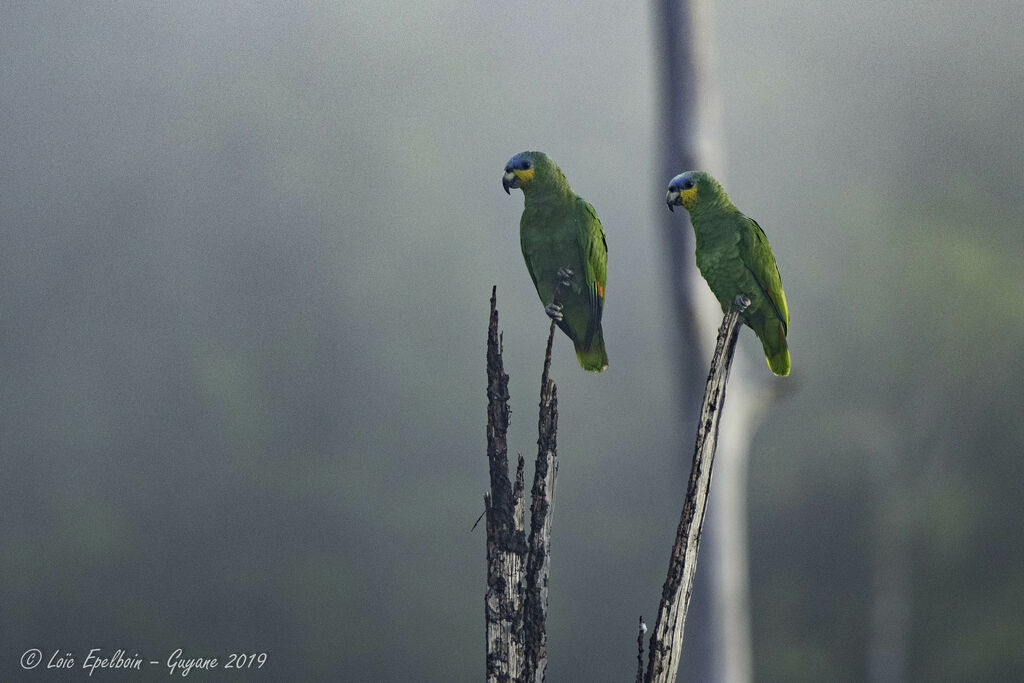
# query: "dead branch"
(667, 638)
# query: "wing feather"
(760, 262)
(594, 255)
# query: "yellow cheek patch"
(689, 197)
(523, 175)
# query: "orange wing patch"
(600, 288)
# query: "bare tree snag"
(516, 599)
(667, 638)
(506, 542)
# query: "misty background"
(246, 256)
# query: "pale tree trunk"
(889, 598)
(888, 640)
(727, 539)
(692, 141)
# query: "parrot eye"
(524, 165)
(687, 184)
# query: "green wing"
(758, 258)
(594, 255)
(770, 318)
(527, 256)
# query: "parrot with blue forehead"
(563, 244)
(734, 257)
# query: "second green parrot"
(734, 257)
(563, 244)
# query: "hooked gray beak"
(673, 199)
(508, 180)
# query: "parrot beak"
(673, 199)
(508, 180)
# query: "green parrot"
(734, 257)
(563, 244)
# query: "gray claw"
(554, 311)
(564, 276)
(741, 302)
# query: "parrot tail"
(594, 358)
(776, 350)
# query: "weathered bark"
(667, 638)
(516, 599)
(506, 541)
(538, 564)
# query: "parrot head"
(521, 168)
(687, 188)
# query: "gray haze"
(245, 257)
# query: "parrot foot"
(564, 276)
(554, 311)
(741, 302)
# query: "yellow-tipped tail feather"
(776, 351)
(779, 363)
(594, 359)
